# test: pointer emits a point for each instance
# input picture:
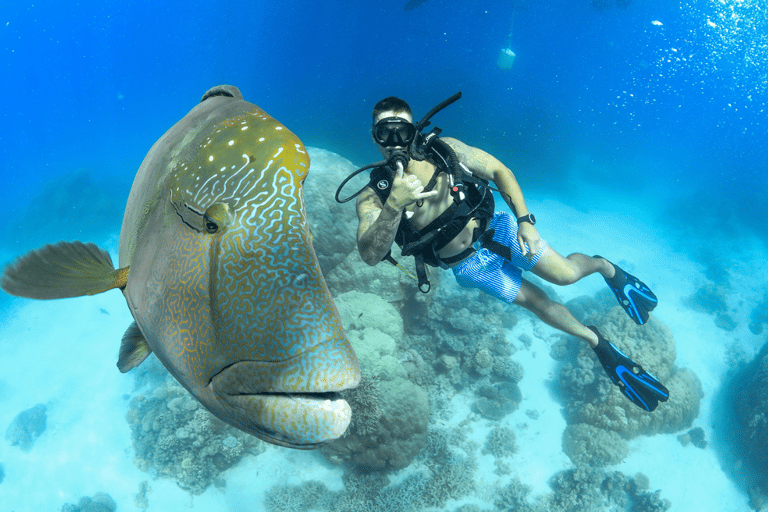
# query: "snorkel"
(417, 149)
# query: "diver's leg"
(556, 269)
(552, 313)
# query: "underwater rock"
(360, 311)
(26, 427)
(176, 437)
(591, 446)
(101, 502)
(589, 396)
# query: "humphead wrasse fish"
(217, 266)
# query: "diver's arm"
(488, 167)
(377, 226)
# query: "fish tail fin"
(62, 270)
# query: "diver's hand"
(406, 190)
(528, 234)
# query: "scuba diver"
(433, 197)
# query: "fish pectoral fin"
(134, 349)
(62, 270)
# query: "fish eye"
(210, 225)
(216, 217)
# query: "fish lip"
(320, 395)
(230, 381)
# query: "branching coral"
(501, 442)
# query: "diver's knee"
(564, 277)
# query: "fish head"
(236, 303)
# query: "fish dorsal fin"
(62, 270)
(134, 349)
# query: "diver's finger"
(399, 166)
(422, 195)
(521, 244)
(534, 249)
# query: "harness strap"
(421, 273)
(487, 242)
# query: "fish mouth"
(284, 403)
(303, 422)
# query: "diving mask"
(393, 132)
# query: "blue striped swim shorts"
(491, 273)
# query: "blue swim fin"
(633, 295)
(642, 388)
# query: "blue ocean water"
(657, 105)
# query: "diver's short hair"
(393, 104)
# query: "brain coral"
(590, 397)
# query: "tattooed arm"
(377, 228)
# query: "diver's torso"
(435, 205)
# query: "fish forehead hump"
(182, 144)
(247, 160)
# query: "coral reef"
(592, 446)
(590, 398)
(747, 395)
(501, 442)
(390, 413)
(176, 437)
(26, 427)
(759, 316)
(309, 495)
(710, 299)
(494, 401)
(398, 436)
(583, 489)
(385, 280)
(449, 476)
(695, 436)
(585, 306)
(337, 223)
(100, 502)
